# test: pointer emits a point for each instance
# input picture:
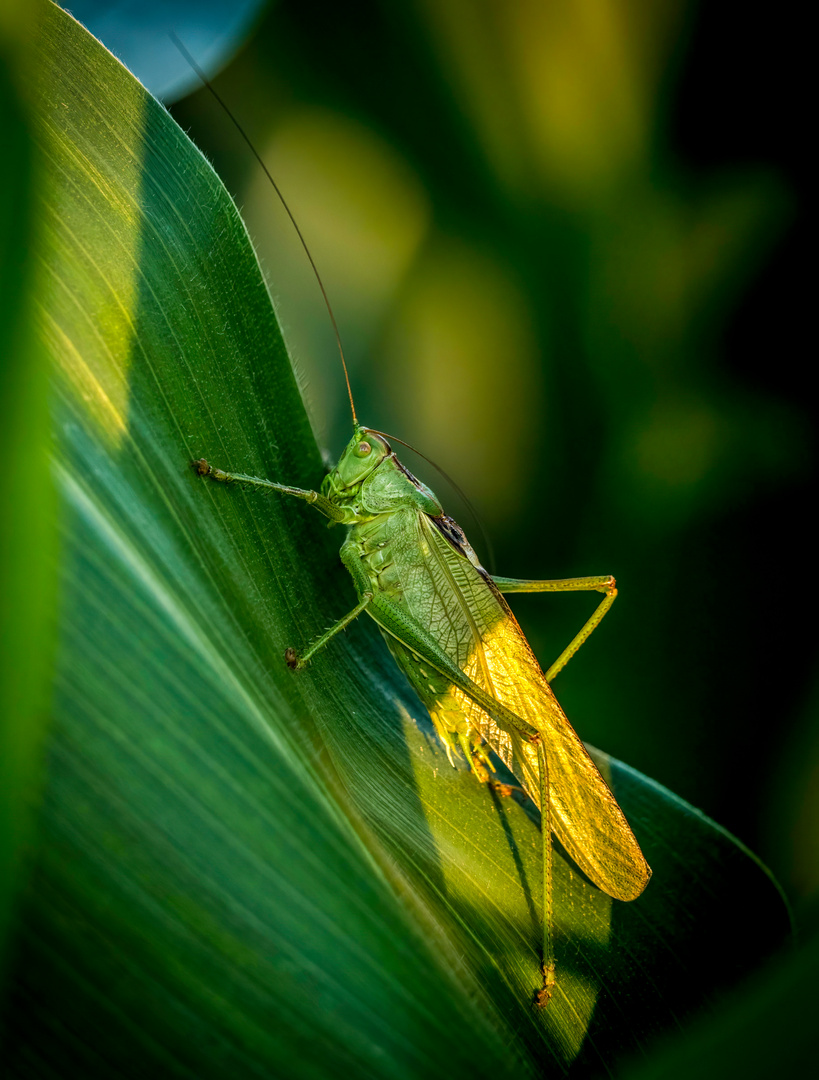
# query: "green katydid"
(452, 633)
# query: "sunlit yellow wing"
(472, 623)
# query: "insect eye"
(364, 448)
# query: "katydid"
(453, 635)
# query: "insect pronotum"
(452, 633)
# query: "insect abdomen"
(434, 690)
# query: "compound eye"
(363, 449)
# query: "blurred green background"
(562, 243)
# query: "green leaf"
(27, 578)
(242, 871)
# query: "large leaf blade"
(181, 812)
(242, 870)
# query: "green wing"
(449, 611)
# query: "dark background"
(592, 311)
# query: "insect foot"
(501, 789)
(202, 467)
(479, 769)
(544, 994)
(291, 658)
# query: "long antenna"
(283, 201)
